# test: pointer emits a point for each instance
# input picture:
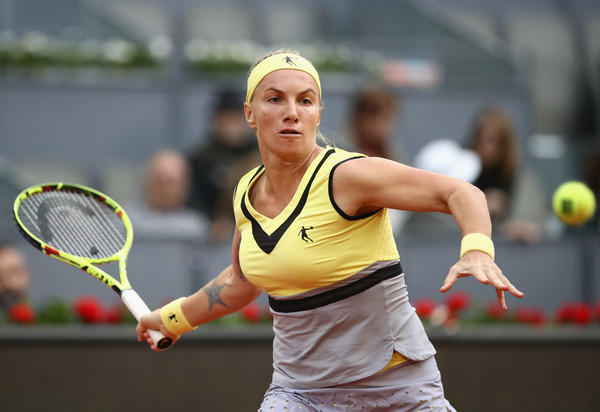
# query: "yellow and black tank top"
(335, 284)
(312, 243)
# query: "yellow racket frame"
(86, 264)
(129, 296)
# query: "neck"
(281, 173)
(276, 188)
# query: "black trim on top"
(261, 167)
(331, 296)
(335, 205)
(268, 242)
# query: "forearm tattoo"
(214, 294)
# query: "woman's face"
(285, 113)
(489, 145)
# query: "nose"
(291, 113)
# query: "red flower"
(458, 301)
(252, 312)
(582, 314)
(528, 314)
(425, 307)
(114, 314)
(539, 317)
(21, 313)
(89, 309)
(564, 313)
(579, 313)
(494, 311)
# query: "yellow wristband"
(477, 241)
(173, 318)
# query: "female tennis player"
(313, 232)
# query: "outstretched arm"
(229, 292)
(367, 184)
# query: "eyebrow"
(306, 91)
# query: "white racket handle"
(138, 308)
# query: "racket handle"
(138, 308)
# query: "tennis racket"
(84, 228)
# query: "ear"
(319, 118)
(249, 114)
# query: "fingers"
(501, 299)
(456, 272)
(152, 321)
(141, 331)
(486, 272)
(451, 278)
(150, 342)
(448, 283)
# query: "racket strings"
(101, 232)
(54, 220)
(54, 231)
(108, 235)
(73, 222)
(78, 228)
(86, 237)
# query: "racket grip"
(138, 308)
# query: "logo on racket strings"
(60, 210)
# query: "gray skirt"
(411, 386)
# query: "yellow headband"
(280, 61)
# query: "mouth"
(289, 132)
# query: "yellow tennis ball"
(574, 203)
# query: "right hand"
(152, 321)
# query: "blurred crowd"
(187, 195)
(15, 279)
(191, 192)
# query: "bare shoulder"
(357, 182)
(356, 167)
(368, 172)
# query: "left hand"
(483, 268)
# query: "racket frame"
(86, 264)
(123, 288)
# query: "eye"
(274, 99)
(305, 100)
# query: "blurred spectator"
(225, 155)
(446, 157)
(492, 137)
(14, 277)
(373, 119)
(514, 194)
(163, 212)
(373, 122)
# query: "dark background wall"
(81, 370)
